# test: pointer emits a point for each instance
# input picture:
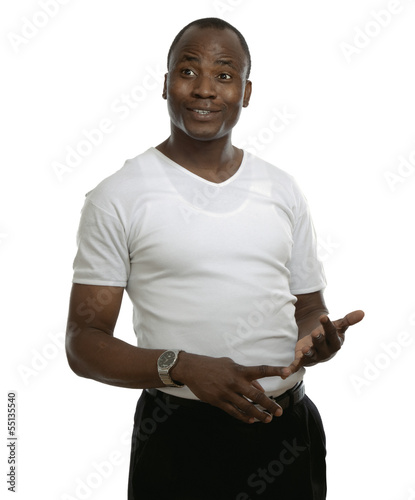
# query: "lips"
(203, 113)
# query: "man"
(227, 295)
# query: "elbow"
(73, 360)
(73, 352)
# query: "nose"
(204, 87)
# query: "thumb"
(349, 320)
(354, 317)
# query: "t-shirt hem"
(186, 393)
(312, 289)
(81, 281)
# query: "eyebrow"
(225, 62)
(219, 62)
(187, 58)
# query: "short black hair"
(212, 22)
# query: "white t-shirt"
(210, 268)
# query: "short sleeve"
(102, 257)
(307, 273)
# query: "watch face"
(166, 359)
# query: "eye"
(188, 72)
(225, 76)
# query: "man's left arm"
(318, 338)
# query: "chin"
(206, 135)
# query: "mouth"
(203, 114)
(202, 111)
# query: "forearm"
(102, 357)
(308, 309)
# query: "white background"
(350, 124)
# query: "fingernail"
(278, 412)
(309, 353)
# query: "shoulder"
(123, 185)
(282, 184)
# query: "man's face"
(206, 86)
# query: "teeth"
(202, 112)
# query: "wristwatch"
(165, 363)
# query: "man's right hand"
(229, 386)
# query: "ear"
(247, 93)
(164, 94)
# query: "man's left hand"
(323, 342)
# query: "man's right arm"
(93, 352)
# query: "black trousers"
(202, 453)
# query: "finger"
(331, 333)
(261, 399)
(257, 385)
(349, 320)
(262, 371)
(246, 411)
(294, 366)
(235, 412)
(318, 339)
(313, 341)
(328, 326)
(258, 406)
(307, 356)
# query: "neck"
(215, 160)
